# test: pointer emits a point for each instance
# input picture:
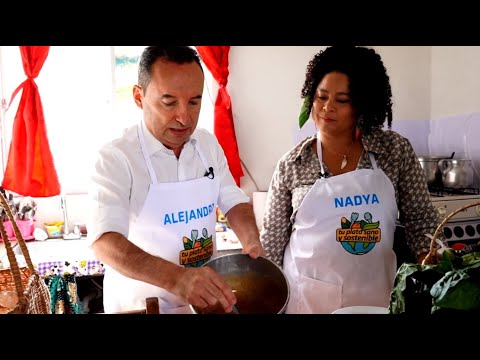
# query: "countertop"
(56, 252)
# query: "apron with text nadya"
(341, 248)
(177, 223)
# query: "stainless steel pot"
(260, 285)
(430, 165)
(456, 173)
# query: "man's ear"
(138, 95)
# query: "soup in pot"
(256, 294)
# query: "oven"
(462, 229)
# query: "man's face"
(171, 102)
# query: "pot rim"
(432, 158)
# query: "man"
(155, 192)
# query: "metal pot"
(260, 285)
(429, 165)
(456, 173)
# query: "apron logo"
(359, 237)
(197, 250)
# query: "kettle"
(456, 173)
(432, 171)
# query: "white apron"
(341, 248)
(177, 223)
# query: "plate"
(362, 310)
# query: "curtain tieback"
(224, 94)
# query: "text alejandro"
(188, 215)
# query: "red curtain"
(216, 60)
(30, 169)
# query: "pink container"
(26, 228)
(8, 229)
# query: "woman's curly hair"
(369, 84)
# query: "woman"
(335, 197)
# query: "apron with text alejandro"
(176, 223)
(341, 248)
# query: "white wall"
(455, 80)
(265, 84)
(410, 78)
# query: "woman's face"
(332, 108)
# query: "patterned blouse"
(298, 169)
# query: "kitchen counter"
(55, 253)
(59, 255)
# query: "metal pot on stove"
(430, 165)
(456, 173)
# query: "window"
(86, 94)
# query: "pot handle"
(445, 165)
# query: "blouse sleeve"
(416, 209)
(276, 223)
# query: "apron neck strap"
(372, 160)
(148, 161)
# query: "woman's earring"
(357, 130)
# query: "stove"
(463, 227)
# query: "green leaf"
(304, 112)
(424, 273)
(456, 290)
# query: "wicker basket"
(431, 257)
(32, 292)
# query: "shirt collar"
(375, 143)
(153, 145)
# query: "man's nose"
(182, 116)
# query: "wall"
(455, 80)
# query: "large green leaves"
(451, 285)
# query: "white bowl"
(362, 310)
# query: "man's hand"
(254, 249)
(203, 287)
(242, 222)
